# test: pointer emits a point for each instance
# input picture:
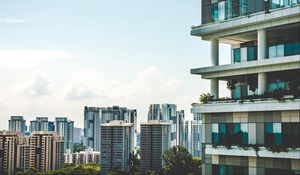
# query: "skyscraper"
(65, 128)
(116, 145)
(193, 138)
(78, 135)
(17, 123)
(95, 116)
(82, 157)
(8, 151)
(155, 139)
(46, 151)
(40, 124)
(260, 123)
(168, 113)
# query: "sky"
(57, 56)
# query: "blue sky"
(56, 56)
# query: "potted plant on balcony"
(205, 98)
(231, 84)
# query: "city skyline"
(57, 57)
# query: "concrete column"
(262, 83)
(262, 54)
(261, 44)
(214, 88)
(214, 53)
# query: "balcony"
(251, 105)
(251, 152)
(251, 67)
(248, 23)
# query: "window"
(222, 133)
(291, 134)
(273, 134)
(251, 54)
(237, 55)
(221, 7)
(215, 14)
(215, 133)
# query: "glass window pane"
(215, 133)
(243, 54)
(272, 51)
(269, 137)
(222, 133)
(221, 7)
(244, 129)
(251, 54)
(236, 92)
(277, 133)
(280, 50)
(215, 12)
(236, 55)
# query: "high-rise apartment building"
(193, 138)
(169, 113)
(155, 140)
(95, 116)
(41, 124)
(8, 151)
(256, 131)
(78, 135)
(65, 128)
(116, 145)
(17, 123)
(82, 157)
(46, 151)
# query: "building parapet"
(251, 152)
(245, 106)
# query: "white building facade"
(256, 130)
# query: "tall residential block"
(95, 116)
(155, 140)
(168, 113)
(46, 151)
(65, 128)
(193, 137)
(78, 135)
(116, 145)
(9, 141)
(17, 123)
(41, 124)
(260, 122)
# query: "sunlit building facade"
(256, 130)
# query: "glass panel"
(269, 138)
(275, 4)
(237, 133)
(280, 50)
(215, 12)
(277, 133)
(236, 93)
(222, 133)
(288, 49)
(272, 51)
(237, 55)
(244, 129)
(215, 133)
(251, 54)
(229, 134)
(243, 54)
(221, 7)
(243, 7)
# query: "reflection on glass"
(237, 55)
(215, 133)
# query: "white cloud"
(29, 56)
(90, 83)
(10, 20)
(39, 85)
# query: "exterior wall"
(65, 128)
(238, 157)
(40, 124)
(116, 146)
(82, 157)
(155, 139)
(95, 116)
(17, 123)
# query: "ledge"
(263, 152)
(251, 67)
(234, 106)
